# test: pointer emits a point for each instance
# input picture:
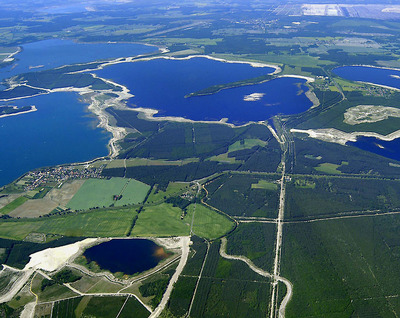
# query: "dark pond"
(129, 256)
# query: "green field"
(330, 168)
(208, 223)
(90, 224)
(99, 193)
(173, 188)
(165, 220)
(161, 220)
(264, 184)
(13, 205)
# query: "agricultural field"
(99, 193)
(103, 223)
(340, 221)
(13, 205)
(167, 220)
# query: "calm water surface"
(389, 149)
(128, 256)
(49, 54)
(162, 84)
(61, 131)
(381, 76)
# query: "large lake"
(61, 131)
(163, 84)
(380, 76)
(129, 256)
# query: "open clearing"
(34, 208)
(63, 195)
(104, 223)
(11, 205)
(6, 200)
(165, 220)
(99, 193)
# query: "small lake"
(128, 256)
(380, 76)
(388, 149)
(163, 84)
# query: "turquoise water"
(61, 131)
(162, 84)
(381, 76)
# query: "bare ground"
(34, 208)
(63, 195)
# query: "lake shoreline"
(33, 109)
(98, 108)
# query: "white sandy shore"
(52, 259)
(373, 66)
(308, 79)
(98, 101)
(10, 58)
(341, 137)
(139, 59)
(33, 109)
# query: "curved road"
(289, 286)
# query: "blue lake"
(61, 131)
(128, 256)
(162, 85)
(56, 52)
(381, 76)
(389, 149)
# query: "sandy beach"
(341, 137)
(99, 101)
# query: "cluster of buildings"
(37, 178)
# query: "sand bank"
(341, 137)
(52, 259)
(33, 109)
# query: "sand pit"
(53, 258)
